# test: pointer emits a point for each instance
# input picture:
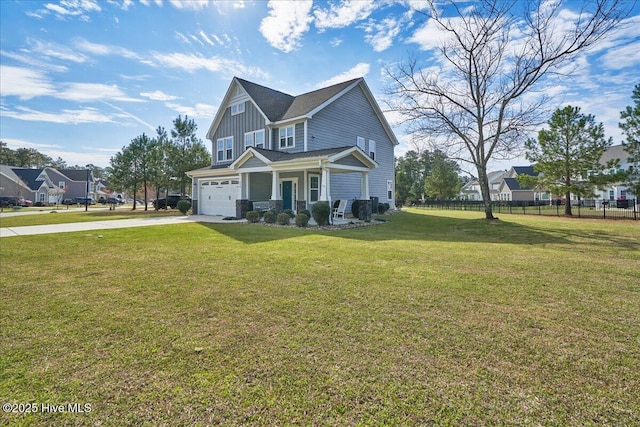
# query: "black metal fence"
(618, 209)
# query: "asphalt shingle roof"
(280, 156)
(28, 176)
(281, 106)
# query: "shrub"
(355, 208)
(269, 217)
(383, 207)
(184, 206)
(290, 212)
(321, 213)
(302, 220)
(305, 211)
(253, 216)
(283, 218)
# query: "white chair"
(339, 211)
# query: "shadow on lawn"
(403, 226)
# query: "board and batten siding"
(236, 126)
(298, 138)
(338, 125)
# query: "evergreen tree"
(568, 154)
(631, 129)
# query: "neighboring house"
(292, 151)
(471, 190)
(46, 185)
(74, 182)
(615, 191)
(12, 185)
(510, 189)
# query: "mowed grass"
(434, 318)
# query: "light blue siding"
(339, 124)
(236, 126)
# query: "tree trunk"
(567, 204)
(145, 195)
(483, 180)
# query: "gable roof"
(615, 152)
(29, 177)
(74, 174)
(276, 106)
(272, 103)
(525, 170)
(514, 185)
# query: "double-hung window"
(287, 139)
(360, 143)
(254, 139)
(225, 149)
(372, 149)
(314, 188)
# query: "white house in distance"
(288, 152)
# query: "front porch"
(284, 181)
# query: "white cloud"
(381, 34)
(104, 49)
(24, 83)
(56, 51)
(206, 38)
(199, 110)
(158, 96)
(193, 62)
(286, 24)
(345, 14)
(85, 115)
(71, 9)
(34, 63)
(195, 5)
(359, 70)
(86, 92)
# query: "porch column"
(364, 186)
(325, 185)
(275, 187)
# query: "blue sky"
(80, 79)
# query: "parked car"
(11, 201)
(68, 202)
(170, 201)
(84, 200)
(114, 200)
(26, 203)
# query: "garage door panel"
(219, 197)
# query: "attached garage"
(218, 197)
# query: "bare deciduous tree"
(481, 98)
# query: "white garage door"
(219, 197)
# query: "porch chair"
(339, 211)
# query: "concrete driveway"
(109, 224)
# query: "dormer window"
(237, 108)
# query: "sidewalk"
(109, 224)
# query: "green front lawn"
(434, 318)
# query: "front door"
(287, 195)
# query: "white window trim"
(253, 138)
(390, 190)
(372, 149)
(224, 140)
(293, 137)
(360, 141)
(312, 175)
(237, 108)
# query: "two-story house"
(49, 185)
(292, 151)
